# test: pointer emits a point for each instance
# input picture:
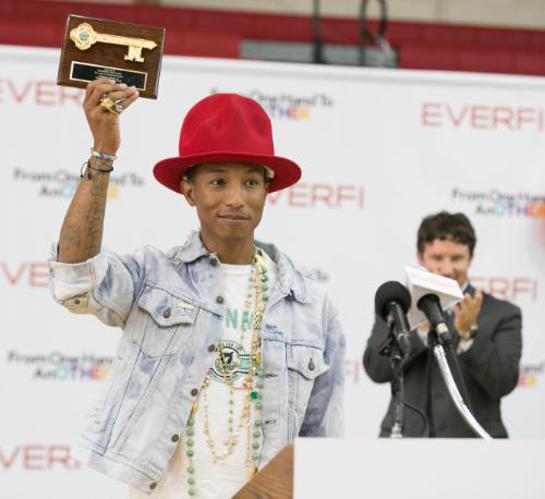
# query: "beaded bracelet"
(102, 155)
(87, 164)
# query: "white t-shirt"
(221, 479)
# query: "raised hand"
(104, 122)
(466, 313)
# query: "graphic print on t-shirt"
(232, 359)
(233, 363)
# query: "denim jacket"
(170, 309)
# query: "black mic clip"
(439, 333)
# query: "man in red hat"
(229, 350)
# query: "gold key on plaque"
(84, 36)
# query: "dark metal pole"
(379, 38)
(318, 48)
(363, 31)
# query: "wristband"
(90, 167)
(102, 155)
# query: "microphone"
(392, 301)
(431, 306)
(431, 294)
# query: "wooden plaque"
(126, 53)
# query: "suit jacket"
(490, 368)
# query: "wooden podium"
(274, 481)
(402, 468)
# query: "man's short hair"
(446, 227)
(190, 174)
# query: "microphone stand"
(397, 363)
(437, 343)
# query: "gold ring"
(114, 107)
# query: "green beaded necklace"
(258, 296)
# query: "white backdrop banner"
(380, 149)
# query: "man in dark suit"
(487, 339)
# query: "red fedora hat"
(226, 128)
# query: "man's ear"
(186, 188)
(419, 258)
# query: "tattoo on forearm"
(95, 221)
(81, 233)
(73, 236)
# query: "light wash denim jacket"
(170, 309)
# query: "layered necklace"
(257, 297)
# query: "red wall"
(218, 34)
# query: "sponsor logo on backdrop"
(530, 374)
(303, 195)
(482, 117)
(57, 366)
(515, 289)
(31, 274)
(62, 183)
(287, 105)
(37, 457)
(496, 203)
(38, 92)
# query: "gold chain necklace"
(252, 386)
